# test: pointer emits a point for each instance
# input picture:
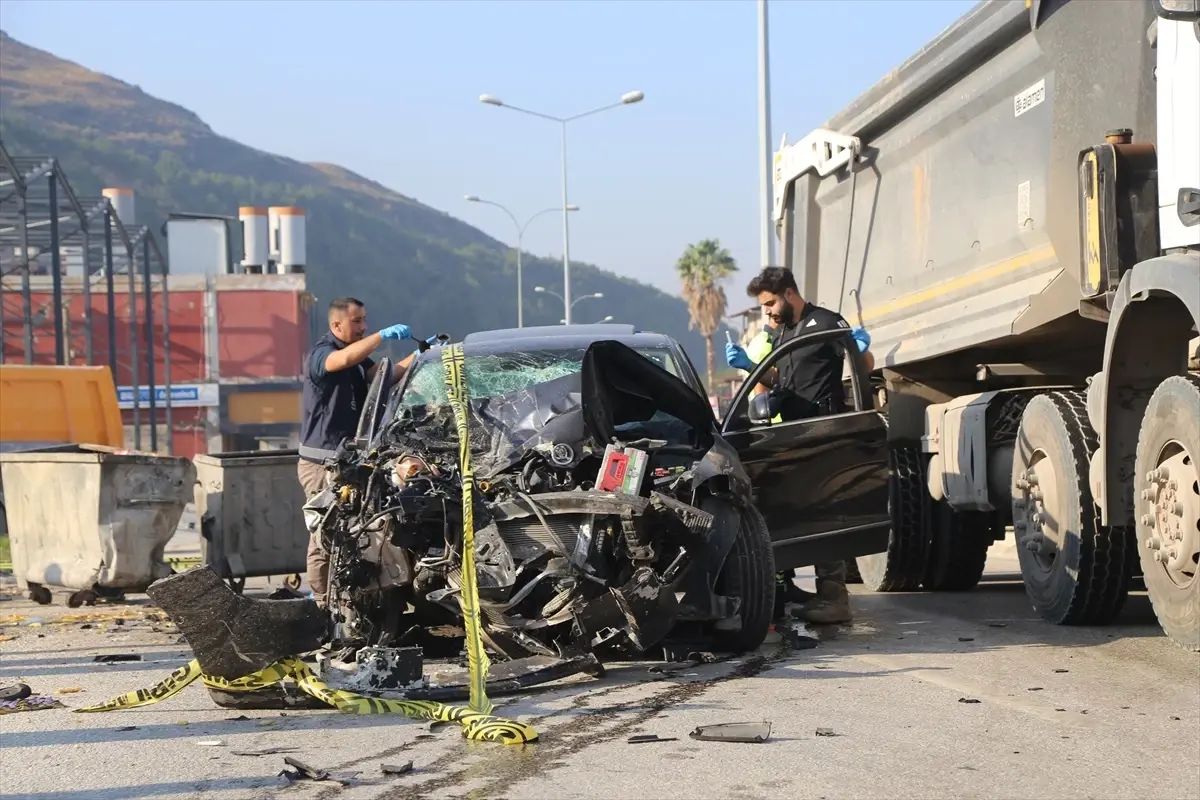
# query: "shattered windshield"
(513, 397)
(497, 374)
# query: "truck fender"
(1156, 305)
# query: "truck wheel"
(902, 567)
(1076, 570)
(749, 574)
(1168, 470)
(958, 550)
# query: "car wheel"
(748, 574)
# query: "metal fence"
(46, 228)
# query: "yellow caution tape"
(477, 721)
(476, 726)
(468, 598)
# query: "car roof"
(548, 337)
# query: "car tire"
(901, 568)
(1076, 571)
(748, 574)
(1167, 472)
(958, 550)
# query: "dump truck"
(1014, 215)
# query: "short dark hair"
(775, 280)
(341, 305)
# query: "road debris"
(18, 691)
(393, 769)
(268, 751)
(648, 738)
(967, 700)
(741, 732)
(1061, 671)
(69, 690)
(31, 703)
(302, 771)
(826, 732)
(211, 743)
(117, 657)
(125, 728)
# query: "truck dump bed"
(959, 229)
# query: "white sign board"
(185, 395)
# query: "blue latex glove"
(396, 332)
(736, 357)
(863, 338)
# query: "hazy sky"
(390, 90)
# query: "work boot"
(831, 606)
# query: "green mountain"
(412, 263)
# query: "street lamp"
(572, 304)
(520, 234)
(627, 99)
(609, 318)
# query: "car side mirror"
(760, 408)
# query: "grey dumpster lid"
(82, 454)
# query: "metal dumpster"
(92, 518)
(251, 510)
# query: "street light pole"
(520, 235)
(571, 305)
(629, 98)
(766, 198)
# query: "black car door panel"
(822, 483)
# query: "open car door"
(821, 483)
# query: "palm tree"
(701, 268)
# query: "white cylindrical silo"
(255, 238)
(122, 202)
(293, 243)
(273, 233)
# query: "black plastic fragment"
(116, 657)
(394, 769)
(649, 738)
(234, 636)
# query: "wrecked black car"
(610, 511)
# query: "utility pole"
(765, 159)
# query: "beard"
(785, 317)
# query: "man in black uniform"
(337, 372)
(808, 381)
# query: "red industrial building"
(236, 347)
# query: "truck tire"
(1076, 571)
(902, 567)
(1167, 474)
(749, 574)
(958, 548)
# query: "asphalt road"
(1049, 713)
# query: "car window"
(497, 374)
(738, 416)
